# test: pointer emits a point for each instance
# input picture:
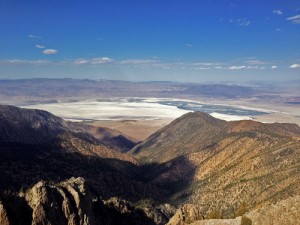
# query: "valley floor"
(141, 129)
(137, 129)
(282, 112)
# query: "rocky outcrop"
(3, 215)
(185, 215)
(159, 214)
(67, 202)
(71, 203)
(285, 212)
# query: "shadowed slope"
(37, 145)
(38, 127)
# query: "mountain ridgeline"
(37, 145)
(223, 168)
(60, 172)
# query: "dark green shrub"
(246, 221)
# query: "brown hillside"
(189, 133)
(225, 166)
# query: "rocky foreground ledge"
(285, 212)
(71, 203)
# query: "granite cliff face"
(71, 203)
(186, 214)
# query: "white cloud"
(94, 61)
(277, 29)
(23, 61)
(274, 67)
(294, 19)
(201, 68)
(295, 66)
(34, 36)
(102, 60)
(138, 61)
(50, 51)
(245, 67)
(277, 12)
(188, 45)
(81, 61)
(207, 64)
(39, 46)
(219, 67)
(237, 67)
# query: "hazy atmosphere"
(190, 41)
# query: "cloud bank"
(94, 61)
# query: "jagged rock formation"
(224, 168)
(3, 215)
(71, 203)
(185, 215)
(67, 202)
(160, 214)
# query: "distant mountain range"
(42, 90)
(37, 89)
(59, 172)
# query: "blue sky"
(191, 41)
